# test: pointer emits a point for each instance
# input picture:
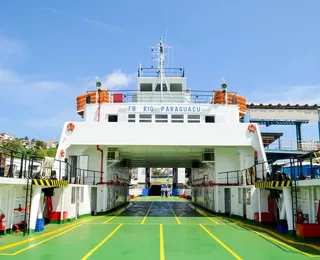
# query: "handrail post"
(227, 177)
(238, 181)
(21, 167)
(59, 169)
(94, 178)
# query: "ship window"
(145, 118)
(176, 118)
(161, 118)
(131, 118)
(164, 87)
(112, 118)
(176, 87)
(145, 87)
(209, 119)
(193, 118)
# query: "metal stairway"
(27, 212)
(294, 196)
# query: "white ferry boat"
(161, 124)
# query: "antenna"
(159, 52)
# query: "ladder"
(294, 195)
(27, 212)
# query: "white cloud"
(291, 95)
(118, 80)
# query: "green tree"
(40, 144)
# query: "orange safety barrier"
(241, 101)
(82, 99)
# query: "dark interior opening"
(155, 190)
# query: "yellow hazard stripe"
(50, 183)
(272, 184)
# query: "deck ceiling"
(165, 157)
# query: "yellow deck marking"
(43, 241)
(157, 223)
(214, 221)
(161, 243)
(205, 214)
(44, 235)
(101, 243)
(281, 243)
(174, 214)
(250, 227)
(109, 219)
(221, 243)
(145, 217)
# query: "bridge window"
(176, 118)
(210, 119)
(131, 118)
(145, 118)
(161, 118)
(145, 87)
(193, 118)
(164, 87)
(112, 118)
(176, 87)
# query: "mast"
(160, 53)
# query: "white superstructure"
(161, 124)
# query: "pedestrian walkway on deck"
(151, 228)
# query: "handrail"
(60, 170)
(291, 145)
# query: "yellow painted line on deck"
(177, 219)
(101, 243)
(44, 235)
(43, 241)
(157, 223)
(109, 219)
(251, 227)
(116, 213)
(284, 244)
(145, 217)
(161, 243)
(221, 243)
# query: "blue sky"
(51, 51)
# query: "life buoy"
(211, 183)
(70, 127)
(61, 153)
(252, 128)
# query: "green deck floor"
(151, 228)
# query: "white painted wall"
(141, 175)
(222, 113)
(181, 175)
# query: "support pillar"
(312, 206)
(35, 203)
(283, 211)
(105, 159)
(319, 123)
(287, 201)
(259, 203)
(61, 208)
(298, 134)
